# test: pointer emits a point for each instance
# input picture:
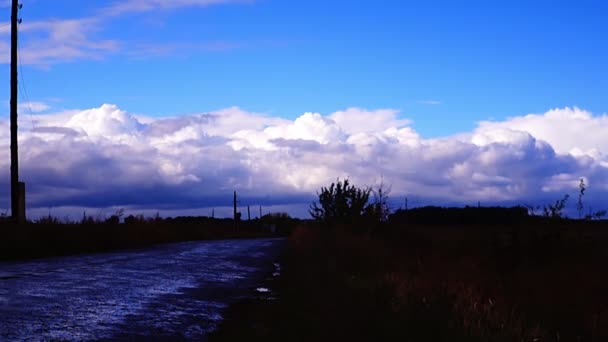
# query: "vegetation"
(435, 274)
(344, 204)
(579, 204)
(341, 202)
(49, 236)
(555, 210)
(436, 283)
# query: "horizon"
(169, 106)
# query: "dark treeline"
(51, 237)
(432, 215)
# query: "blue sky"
(450, 102)
(444, 64)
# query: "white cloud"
(33, 106)
(309, 126)
(356, 120)
(429, 102)
(105, 157)
(130, 6)
(106, 121)
(54, 41)
(59, 40)
(567, 130)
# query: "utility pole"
(16, 213)
(234, 204)
(248, 213)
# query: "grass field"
(542, 280)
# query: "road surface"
(175, 291)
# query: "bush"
(341, 202)
(345, 204)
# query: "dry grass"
(444, 284)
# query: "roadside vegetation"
(433, 274)
(50, 236)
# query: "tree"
(379, 209)
(341, 202)
(581, 193)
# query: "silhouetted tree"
(379, 209)
(279, 223)
(341, 202)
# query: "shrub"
(341, 202)
(555, 210)
(344, 203)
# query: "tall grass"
(446, 284)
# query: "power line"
(24, 93)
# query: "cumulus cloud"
(106, 157)
(568, 130)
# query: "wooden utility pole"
(248, 213)
(15, 212)
(235, 214)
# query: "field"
(538, 280)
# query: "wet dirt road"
(169, 292)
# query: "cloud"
(429, 102)
(48, 42)
(106, 158)
(130, 6)
(567, 130)
(357, 120)
(33, 106)
(147, 50)
(106, 121)
(60, 40)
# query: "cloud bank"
(106, 157)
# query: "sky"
(170, 105)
